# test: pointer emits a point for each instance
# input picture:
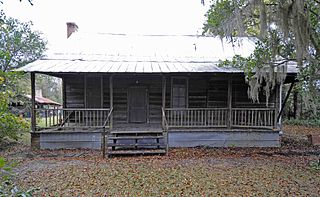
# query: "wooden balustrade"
(172, 118)
(218, 117)
(196, 117)
(71, 118)
(253, 117)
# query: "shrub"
(304, 122)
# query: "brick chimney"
(71, 28)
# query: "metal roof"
(116, 53)
(42, 100)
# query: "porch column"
(164, 86)
(280, 107)
(63, 92)
(101, 91)
(229, 102)
(111, 99)
(33, 103)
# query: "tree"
(287, 30)
(19, 45)
(51, 87)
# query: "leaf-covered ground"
(297, 130)
(282, 171)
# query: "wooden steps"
(138, 152)
(135, 142)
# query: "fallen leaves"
(172, 175)
(184, 172)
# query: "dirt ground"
(284, 171)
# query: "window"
(179, 92)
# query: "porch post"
(164, 85)
(229, 102)
(63, 92)
(111, 99)
(85, 90)
(278, 119)
(101, 90)
(33, 103)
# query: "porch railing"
(219, 117)
(196, 117)
(253, 117)
(72, 117)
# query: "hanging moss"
(288, 30)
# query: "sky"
(172, 17)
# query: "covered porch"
(152, 102)
(173, 110)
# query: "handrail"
(108, 117)
(104, 133)
(255, 108)
(165, 127)
(194, 108)
(64, 121)
(164, 119)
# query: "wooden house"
(143, 94)
(21, 104)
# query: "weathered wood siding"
(197, 92)
(153, 85)
(74, 91)
(93, 92)
(217, 92)
(203, 90)
(240, 95)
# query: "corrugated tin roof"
(42, 100)
(113, 53)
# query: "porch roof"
(43, 100)
(117, 53)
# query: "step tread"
(135, 132)
(134, 137)
(133, 152)
(124, 145)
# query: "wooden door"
(137, 98)
(179, 93)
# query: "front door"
(137, 98)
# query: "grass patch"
(25, 139)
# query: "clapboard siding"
(197, 92)
(153, 85)
(218, 92)
(74, 91)
(204, 90)
(93, 92)
(240, 96)
(106, 92)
